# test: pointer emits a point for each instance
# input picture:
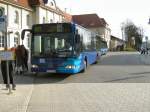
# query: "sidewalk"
(18, 100)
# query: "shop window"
(16, 39)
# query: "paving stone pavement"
(33, 96)
(116, 97)
(19, 99)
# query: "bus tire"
(97, 59)
(85, 66)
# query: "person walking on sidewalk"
(4, 73)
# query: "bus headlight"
(71, 67)
(34, 66)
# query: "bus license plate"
(51, 71)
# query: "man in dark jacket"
(4, 73)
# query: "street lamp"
(123, 34)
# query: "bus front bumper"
(57, 70)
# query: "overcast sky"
(114, 11)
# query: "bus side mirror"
(24, 31)
(77, 38)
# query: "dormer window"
(51, 3)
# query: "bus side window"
(79, 43)
(77, 38)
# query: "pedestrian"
(25, 57)
(143, 50)
(4, 73)
(147, 50)
(21, 59)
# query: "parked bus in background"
(103, 47)
(62, 48)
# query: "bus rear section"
(104, 48)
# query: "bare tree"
(133, 35)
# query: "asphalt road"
(113, 68)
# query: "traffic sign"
(7, 55)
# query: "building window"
(44, 20)
(16, 20)
(1, 39)
(28, 20)
(28, 39)
(52, 4)
(51, 20)
(2, 11)
(16, 39)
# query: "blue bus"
(62, 48)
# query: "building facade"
(18, 17)
(116, 44)
(94, 23)
(22, 14)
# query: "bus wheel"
(85, 66)
(97, 59)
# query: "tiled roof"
(23, 3)
(29, 3)
(68, 17)
(89, 20)
(36, 2)
(116, 38)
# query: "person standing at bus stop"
(4, 73)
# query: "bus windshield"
(52, 45)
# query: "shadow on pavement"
(39, 78)
(141, 73)
(50, 78)
(121, 79)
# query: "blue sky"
(114, 11)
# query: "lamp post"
(6, 48)
(123, 35)
(133, 41)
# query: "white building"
(22, 14)
(18, 17)
(94, 23)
